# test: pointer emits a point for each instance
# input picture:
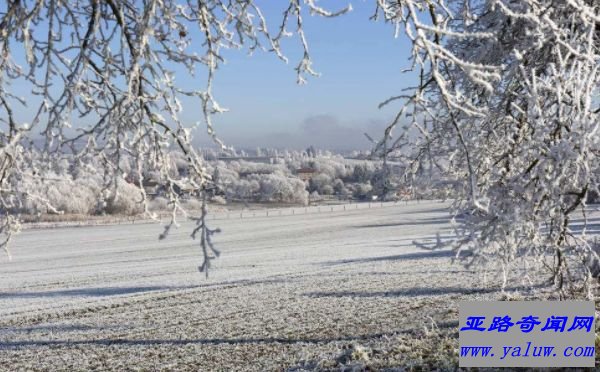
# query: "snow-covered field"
(289, 292)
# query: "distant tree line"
(78, 186)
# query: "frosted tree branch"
(106, 81)
(508, 101)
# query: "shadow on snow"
(398, 257)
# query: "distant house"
(151, 187)
(305, 174)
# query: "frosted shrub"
(242, 190)
(127, 201)
(319, 182)
(327, 190)
(299, 194)
(362, 173)
(59, 195)
(272, 187)
(281, 189)
(69, 197)
(362, 189)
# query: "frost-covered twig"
(206, 233)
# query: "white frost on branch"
(507, 100)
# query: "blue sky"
(360, 62)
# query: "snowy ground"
(289, 292)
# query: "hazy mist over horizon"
(325, 132)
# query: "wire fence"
(225, 215)
(315, 209)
